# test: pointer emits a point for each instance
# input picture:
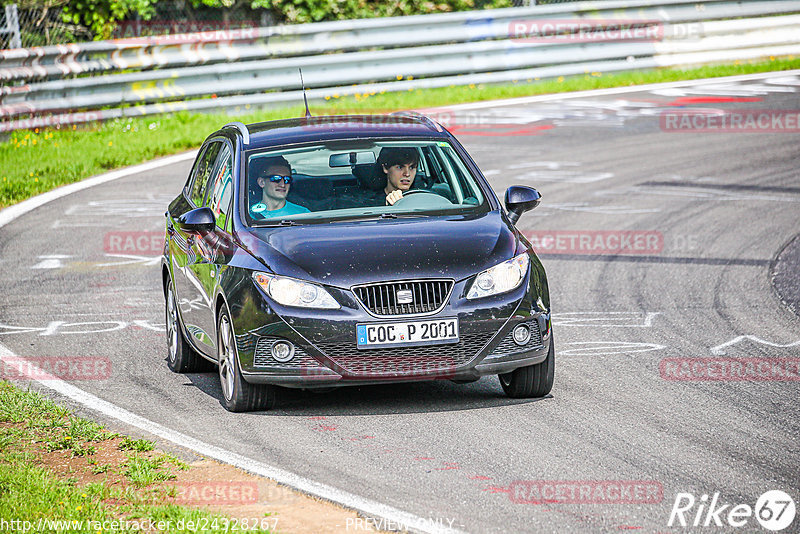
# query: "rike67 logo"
(774, 510)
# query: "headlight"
(501, 278)
(294, 292)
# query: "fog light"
(282, 351)
(522, 334)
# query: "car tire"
(533, 380)
(181, 357)
(238, 395)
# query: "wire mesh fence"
(40, 25)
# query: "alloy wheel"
(227, 358)
(172, 326)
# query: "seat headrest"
(370, 176)
(306, 186)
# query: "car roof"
(333, 127)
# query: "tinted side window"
(193, 172)
(203, 172)
(221, 187)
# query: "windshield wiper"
(377, 217)
(283, 222)
(410, 215)
(361, 217)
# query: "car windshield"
(351, 179)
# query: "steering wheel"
(414, 192)
(432, 201)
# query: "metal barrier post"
(12, 26)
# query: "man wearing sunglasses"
(275, 180)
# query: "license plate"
(431, 332)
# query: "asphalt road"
(718, 208)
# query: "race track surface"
(711, 211)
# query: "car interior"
(332, 187)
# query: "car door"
(213, 249)
(193, 301)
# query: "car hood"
(346, 254)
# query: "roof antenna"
(305, 99)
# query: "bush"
(299, 11)
(100, 17)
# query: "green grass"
(142, 471)
(77, 433)
(40, 160)
(180, 464)
(98, 469)
(29, 492)
(138, 445)
(32, 493)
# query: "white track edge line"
(348, 500)
(611, 91)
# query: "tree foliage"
(101, 16)
(299, 11)
(58, 21)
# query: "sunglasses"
(275, 178)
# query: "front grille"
(508, 346)
(263, 355)
(406, 361)
(427, 296)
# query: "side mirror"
(197, 220)
(520, 199)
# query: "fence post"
(12, 26)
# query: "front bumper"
(325, 351)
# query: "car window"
(195, 167)
(221, 187)
(204, 168)
(347, 179)
(461, 186)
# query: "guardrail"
(251, 67)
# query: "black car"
(332, 251)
